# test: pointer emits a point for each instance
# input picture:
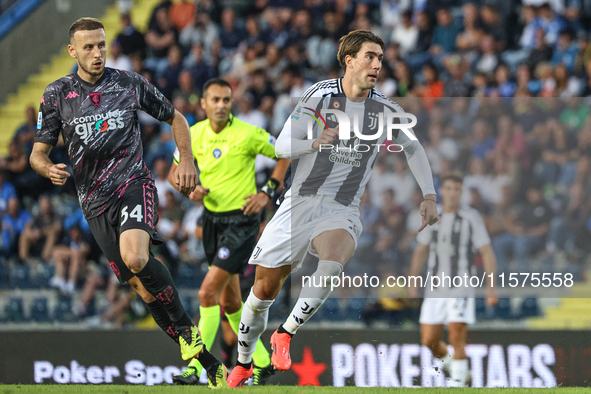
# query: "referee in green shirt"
(225, 149)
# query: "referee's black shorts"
(229, 239)
(135, 207)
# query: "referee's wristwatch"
(270, 188)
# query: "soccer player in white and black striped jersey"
(320, 212)
(450, 245)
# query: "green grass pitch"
(75, 389)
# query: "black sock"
(206, 359)
(162, 319)
(246, 366)
(282, 330)
(157, 280)
(227, 352)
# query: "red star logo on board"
(308, 371)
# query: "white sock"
(253, 322)
(313, 295)
(459, 371)
(447, 362)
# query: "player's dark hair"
(216, 81)
(454, 177)
(85, 24)
(351, 43)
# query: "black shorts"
(136, 208)
(229, 239)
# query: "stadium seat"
(330, 310)
(41, 276)
(14, 310)
(3, 278)
(19, 276)
(187, 302)
(40, 310)
(529, 308)
(503, 309)
(187, 276)
(353, 309)
(63, 310)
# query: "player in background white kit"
(320, 212)
(450, 245)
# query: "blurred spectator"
(117, 59)
(230, 34)
(198, 67)
(405, 34)
(169, 225)
(526, 232)
(42, 232)
(558, 158)
(160, 38)
(445, 33)
(248, 114)
(70, 259)
(131, 40)
(182, 13)
(552, 24)
(482, 142)
(566, 50)
(19, 172)
(471, 34)
(566, 86)
(487, 59)
(13, 225)
(25, 134)
(167, 82)
(201, 31)
(7, 192)
(163, 186)
(493, 25)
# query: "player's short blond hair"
(351, 43)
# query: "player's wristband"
(270, 189)
(430, 199)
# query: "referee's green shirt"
(226, 161)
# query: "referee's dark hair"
(85, 24)
(452, 176)
(215, 81)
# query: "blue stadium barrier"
(15, 14)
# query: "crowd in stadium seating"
(493, 83)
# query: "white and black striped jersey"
(341, 172)
(453, 242)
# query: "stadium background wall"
(22, 53)
(355, 357)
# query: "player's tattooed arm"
(44, 166)
(185, 175)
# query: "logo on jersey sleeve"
(95, 98)
(272, 140)
(217, 153)
(39, 120)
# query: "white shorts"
(300, 219)
(448, 310)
